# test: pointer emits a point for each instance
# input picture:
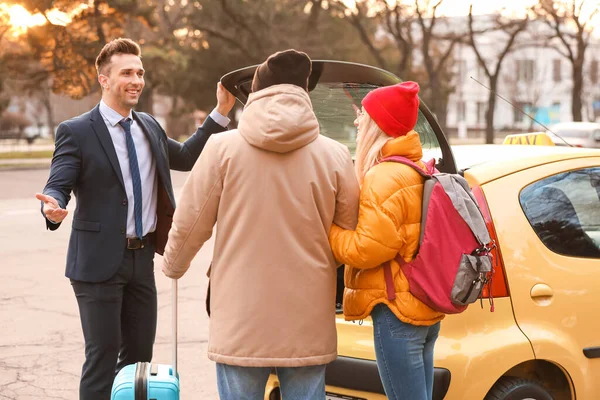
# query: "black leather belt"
(137, 243)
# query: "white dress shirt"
(146, 162)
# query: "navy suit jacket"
(85, 162)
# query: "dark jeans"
(118, 318)
(404, 355)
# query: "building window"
(461, 110)
(462, 71)
(481, 111)
(556, 70)
(596, 108)
(564, 211)
(525, 70)
(525, 107)
(594, 71)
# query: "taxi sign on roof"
(532, 139)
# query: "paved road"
(41, 344)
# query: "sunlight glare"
(20, 19)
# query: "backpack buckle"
(485, 249)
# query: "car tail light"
(499, 287)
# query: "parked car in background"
(15, 126)
(542, 207)
(578, 134)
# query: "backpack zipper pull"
(490, 294)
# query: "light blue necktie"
(135, 176)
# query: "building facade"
(536, 79)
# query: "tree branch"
(474, 46)
(356, 22)
(233, 41)
(559, 34)
(239, 21)
(513, 36)
(447, 54)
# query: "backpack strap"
(387, 268)
(389, 279)
(403, 160)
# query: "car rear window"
(335, 106)
(564, 211)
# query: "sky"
(461, 7)
(517, 8)
(21, 19)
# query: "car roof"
(486, 163)
(576, 125)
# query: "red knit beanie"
(394, 109)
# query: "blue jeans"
(404, 355)
(248, 383)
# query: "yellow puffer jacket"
(389, 222)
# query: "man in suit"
(116, 161)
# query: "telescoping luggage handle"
(174, 317)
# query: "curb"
(24, 163)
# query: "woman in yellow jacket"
(405, 329)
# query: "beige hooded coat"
(273, 187)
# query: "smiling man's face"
(123, 82)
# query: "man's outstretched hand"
(225, 100)
(51, 208)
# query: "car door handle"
(542, 294)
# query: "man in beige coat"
(274, 186)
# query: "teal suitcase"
(150, 381)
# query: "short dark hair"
(116, 46)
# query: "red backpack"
(453, 262)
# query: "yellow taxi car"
(542, 207)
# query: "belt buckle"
(135, 243)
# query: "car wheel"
(513, 388)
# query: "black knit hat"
(288, 66)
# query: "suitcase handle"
(174, 318)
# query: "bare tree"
(399, 21)
(573, 32)
(591, 92)
(396, 19)
(410, 27)
(365, 21)
(436, 50)
(4, 28)
(492, 70)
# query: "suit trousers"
(118, 319)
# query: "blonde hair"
(368, 147)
